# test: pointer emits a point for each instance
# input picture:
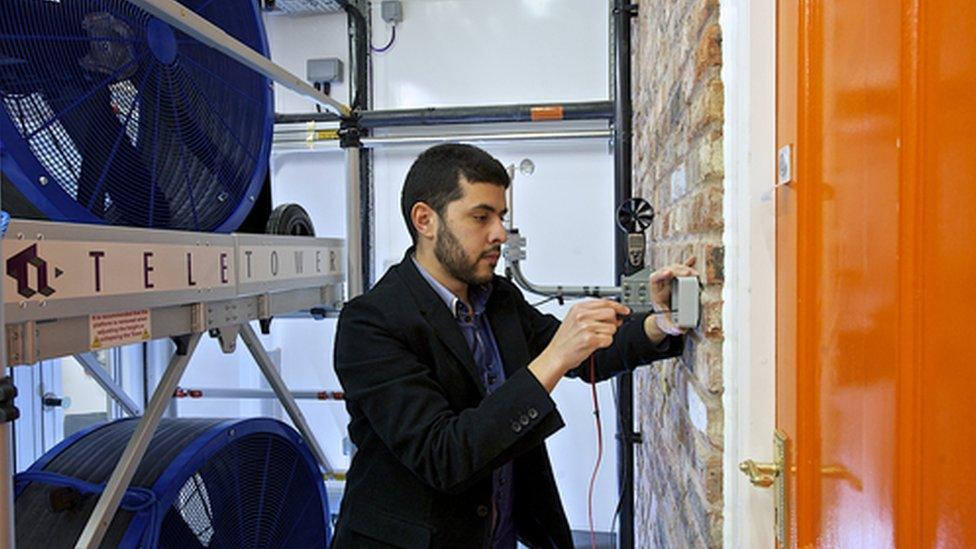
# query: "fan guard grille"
(109, 115)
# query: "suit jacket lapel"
(440, 319)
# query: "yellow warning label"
(121, 328)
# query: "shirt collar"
(478, 294)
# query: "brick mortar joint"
(701, 133)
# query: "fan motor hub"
(162, 41)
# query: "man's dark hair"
(435, 177)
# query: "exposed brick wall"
(678, 106)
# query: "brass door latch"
(760, 474)
(773, 475)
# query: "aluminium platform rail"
(70, 289)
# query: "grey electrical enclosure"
(323, 70)
(392, 11)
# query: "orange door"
(876, 271)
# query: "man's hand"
(657, 326)
(588, 326)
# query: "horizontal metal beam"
(436, 116)
(223, 392)
(181, 17)
(30, 342)
(484, 137)
(313, 142)
(597, 110)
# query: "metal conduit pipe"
(620, 17)
(484, 137)
(595, 110)
(314, 141)
(514, 271)
(359, 24)
(354, 226)
(436, 116)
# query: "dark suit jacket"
(428, 438)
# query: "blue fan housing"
(109, 115)
(203, 483)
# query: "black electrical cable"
(543, 302)
(324, 87)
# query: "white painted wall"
(749, 317)
(473, 52)
(85, 393)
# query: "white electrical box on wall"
(685, 301)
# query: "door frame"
(749, 292)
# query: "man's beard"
(451, 255)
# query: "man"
(447, 372)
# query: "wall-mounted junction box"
(325, 70)
(392, 11)
(685, 301)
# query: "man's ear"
(424, 220)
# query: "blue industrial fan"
(203, 483)
(109, 115)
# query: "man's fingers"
(661, 276)
(604, 306)
(667, 326)
(604, 328)
(690, 262)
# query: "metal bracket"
(514, 249)
(22, 342)
(635, 437)
(228, 313)
(264, 306)
(350, 132)
(198, 318)
(182, 343)
(227, 336)
(629, 9)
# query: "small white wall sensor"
(685, 301)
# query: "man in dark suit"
(447, 372)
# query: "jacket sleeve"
(630, 347)
(407, 408)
